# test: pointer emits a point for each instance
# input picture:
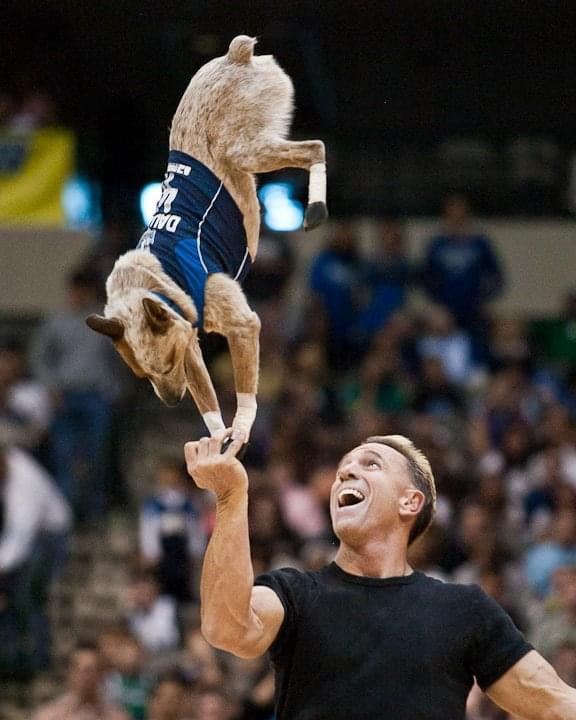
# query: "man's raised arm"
(532, 690)
(236, 616)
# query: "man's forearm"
(227, 574)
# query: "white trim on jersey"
(198, 238)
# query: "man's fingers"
(203, 448)
(190, 454)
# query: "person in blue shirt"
(334, 281)
(461, 270)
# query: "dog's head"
(152, 339)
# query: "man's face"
(85, 673)
(371, 481)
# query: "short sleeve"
(289, 586)
(498, 644)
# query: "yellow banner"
(33, 170)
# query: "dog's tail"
(241, 49)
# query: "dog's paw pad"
(316, 214)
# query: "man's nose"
(347, 473)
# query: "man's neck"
(376, 562)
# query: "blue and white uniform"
(197, 229)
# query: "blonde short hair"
(422, 477)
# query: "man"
(168, 698)
(84, 698)
(366, 636)
(83, 375)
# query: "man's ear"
(157, 316)
(412, 502)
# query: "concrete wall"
(33, 267)
(539, 256)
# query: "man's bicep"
(531, 688)
(269, 616)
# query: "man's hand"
(212, 469)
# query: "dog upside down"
(232, 122)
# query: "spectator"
(25, 410)
(80, 369)
(84, 699)
(212, 704)
(168, 699)
(377, 386)
(557, 549)
(556, 627)
(461, 270)
(36, 521)
(440, 338)
(197, 661)
(127, 684)
(334, 281)
(152, 616)
(435, 395)
(386, 279)
(172, 538)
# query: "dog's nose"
(171, 399)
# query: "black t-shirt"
(405, 648)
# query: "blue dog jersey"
(197, 229)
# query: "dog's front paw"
(316, 214)
(241, 452)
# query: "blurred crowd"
(491, 400)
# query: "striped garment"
(197, 229)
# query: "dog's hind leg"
(260, 156)
(228, 313)
(202, 390)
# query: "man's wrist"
(237, 495)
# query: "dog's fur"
(233, 117)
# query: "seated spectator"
(461, 270)
(152, 616)
(25, 406)
(378, 386)
(127, 684)
(435, 395)
(442, 339)
(168, 699)
(556, 627)
(172, 538)
(33, 535)
(212, 704)
(555, 550)
(84, 698)
(563, 660)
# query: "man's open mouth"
(349, 496)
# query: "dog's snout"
(169, 396)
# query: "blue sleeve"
(492, 276)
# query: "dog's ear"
(158, 317)
(111, 327)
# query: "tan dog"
(231, 122)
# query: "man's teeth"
(349, 496)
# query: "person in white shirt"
(152, 617)
(34, 523)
